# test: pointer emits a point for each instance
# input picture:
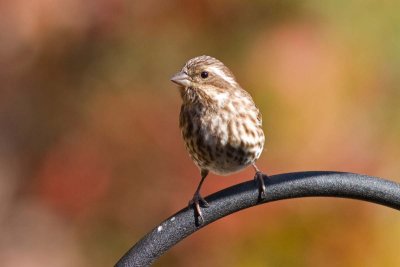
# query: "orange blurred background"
(91, 156)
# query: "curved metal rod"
(244, 195)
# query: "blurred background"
(91, 156)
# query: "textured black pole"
(244, 195)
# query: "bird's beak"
(182, 79)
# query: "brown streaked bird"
(220, 124)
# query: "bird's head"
(205, 72)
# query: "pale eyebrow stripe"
(217, 71)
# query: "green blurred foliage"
(90, 151)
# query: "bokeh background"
(91, 156)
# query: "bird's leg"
(258, 178)
(198, 200)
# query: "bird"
(220, 124)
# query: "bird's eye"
(204, 74)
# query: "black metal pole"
(245, 195)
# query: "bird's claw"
(258, 178)
(197, 202)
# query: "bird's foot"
(258, 178)
(197, 202)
